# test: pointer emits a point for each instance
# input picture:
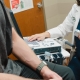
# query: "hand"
(49, 75)
(79, 36)
(39, 37)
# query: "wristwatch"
(40, 66)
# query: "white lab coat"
(68, 25)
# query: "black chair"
(15, 24)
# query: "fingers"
(79, 36)
(55, 76)
(52, 76)
(33, 37)
(38, 37)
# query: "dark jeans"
(65, 72)
(75, 66)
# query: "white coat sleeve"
(66, 27)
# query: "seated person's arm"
(26, 55)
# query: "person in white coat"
(70, 24)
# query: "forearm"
(25, 54)
(4, 76)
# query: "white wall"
(55, 12)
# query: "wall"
(55, 12)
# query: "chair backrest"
(15, 24)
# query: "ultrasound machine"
(48, 50)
